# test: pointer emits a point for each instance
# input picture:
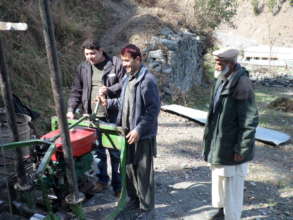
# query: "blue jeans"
(102, 166)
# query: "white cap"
(228, 54)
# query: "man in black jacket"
(98, 72)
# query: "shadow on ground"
(185, 194)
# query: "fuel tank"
(81, 138)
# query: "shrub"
(210, 13)
(25, 51)
(255, 7)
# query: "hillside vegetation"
(25, 51)
(114, 22)
(267, 22)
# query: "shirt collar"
(101, 65)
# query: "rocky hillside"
(261, 24)
(114, 22)
(25, 51)
(117, 22)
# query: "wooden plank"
(265, 135)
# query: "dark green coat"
(231, 126)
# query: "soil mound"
(282, 104)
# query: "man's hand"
(103, 101)
(70, 115)
(103, 91)
(238, 158)
(132, 137)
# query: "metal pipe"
(10, 111)
(56, 84)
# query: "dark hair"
(90, 44)
(132, 50)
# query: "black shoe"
(218, 215)
(99, 187)
(117, 194)
(146, 215)
(132, 204)
(130, 211)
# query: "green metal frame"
(76, 208)
(112, 136)
(40, 170)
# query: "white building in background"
(265, 55)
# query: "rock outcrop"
(177, 59)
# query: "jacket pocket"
(226, 144)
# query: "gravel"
(183, 178)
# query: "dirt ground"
(183, 182)
(183, 186)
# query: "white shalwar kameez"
(227, 188)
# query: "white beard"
(221, 74)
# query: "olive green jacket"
(231, 126)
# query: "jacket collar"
(108, 66)
(140, 75)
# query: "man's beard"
(221, 74)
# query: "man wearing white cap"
(229, 134)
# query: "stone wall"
(177, 59)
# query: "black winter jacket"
(80, 94)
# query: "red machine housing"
(82, 140)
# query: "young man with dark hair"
(139, 107)
(98, 72)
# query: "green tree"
(210, 13)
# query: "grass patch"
(270, 118)
(264, 98)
